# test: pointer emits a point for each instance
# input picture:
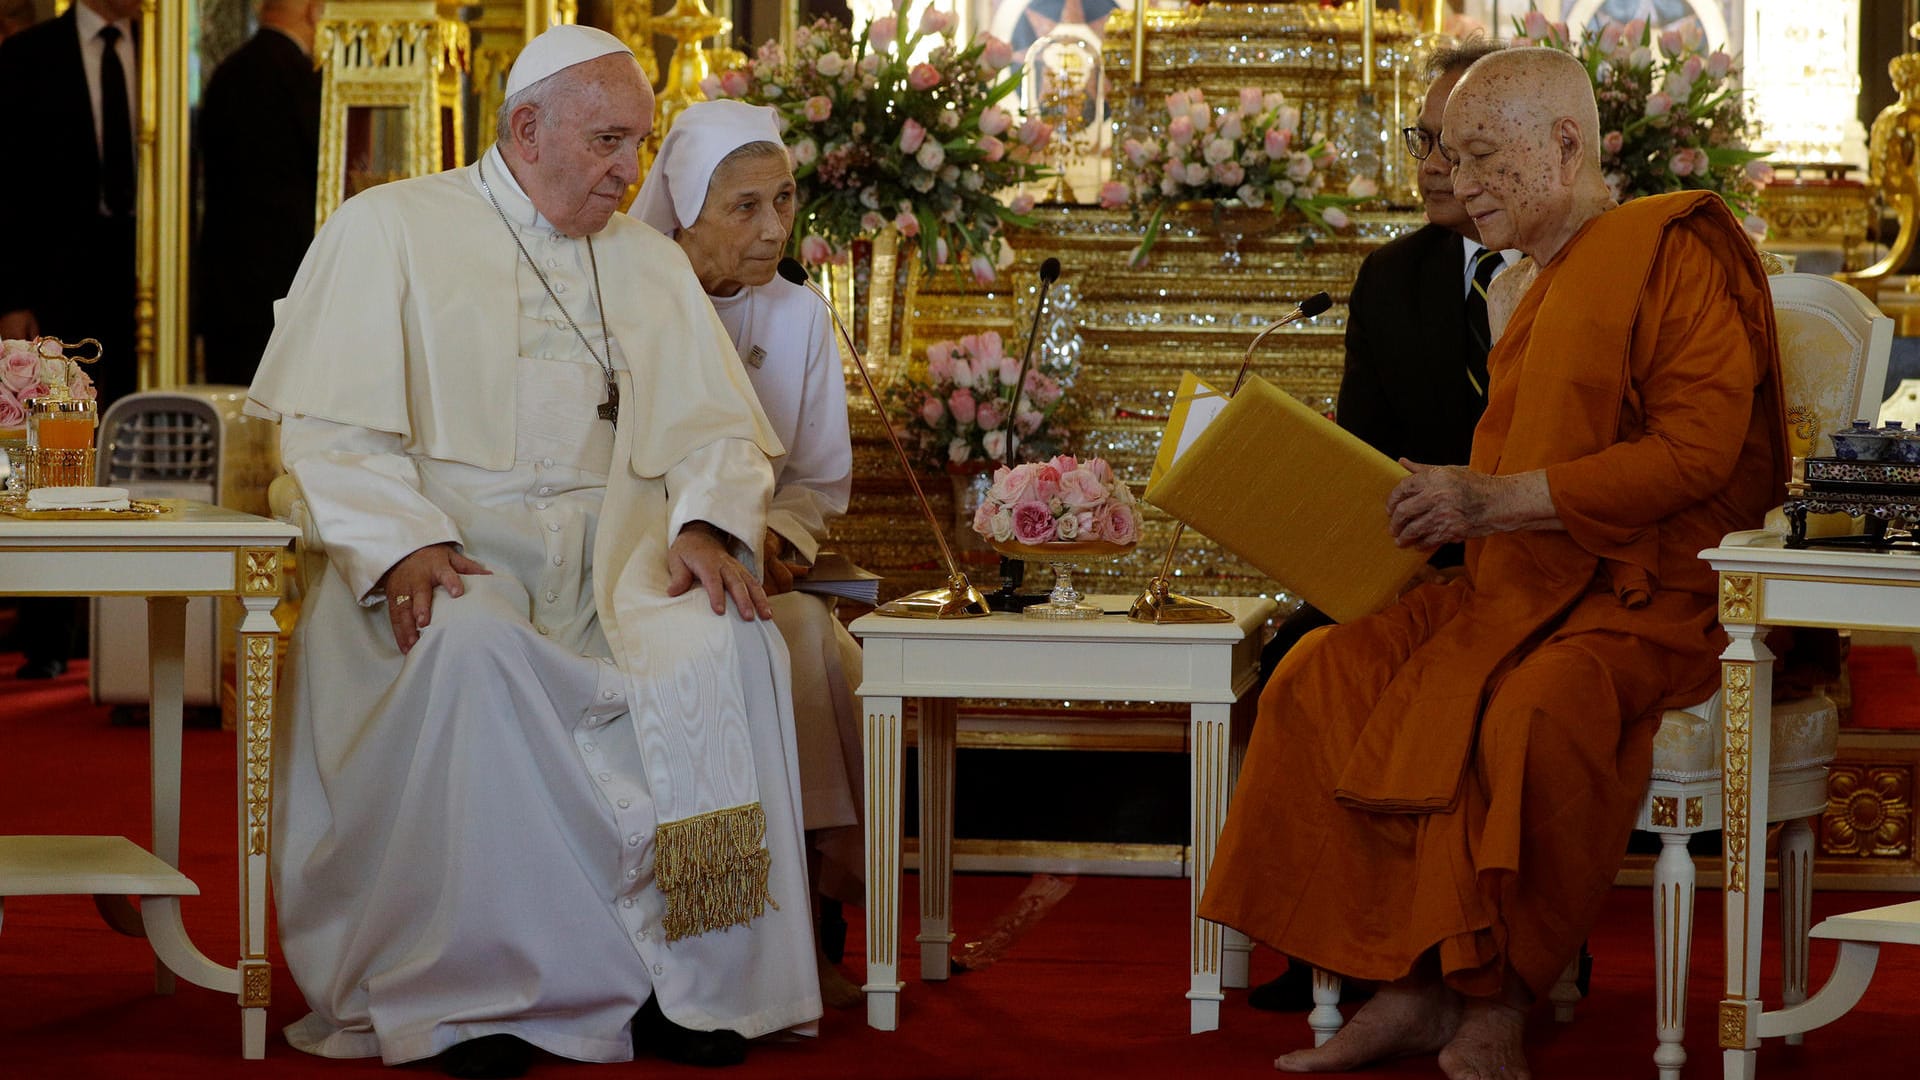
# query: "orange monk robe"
(1461, 770)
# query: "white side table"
(1764, 584)
(1212, 668)
(197, 550)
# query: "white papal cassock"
(464, 835)
(797, 376)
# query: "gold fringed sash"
(712, 869)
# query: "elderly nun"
(722, 187)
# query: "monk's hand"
(700, 554)
(779, 573)
(1445, 504)
(409, 586)
(1439, 504)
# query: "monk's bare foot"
(1487, 1046)
(1401, 1019)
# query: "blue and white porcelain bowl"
(1861, 443)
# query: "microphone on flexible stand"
(958, 599)
(1157, 603)
(1014, 571)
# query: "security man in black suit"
(259, 143)
(1415, 381)
(70, 88)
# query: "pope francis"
(539, 788)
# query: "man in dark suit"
(1416, 370)
(259, 142)
(71, 91)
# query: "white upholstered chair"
(1833, 357)
(1833, 353)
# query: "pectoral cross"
(610, 408)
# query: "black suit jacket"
(259, 144)
(72, 266)
(1405, 390)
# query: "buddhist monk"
(1436, 795)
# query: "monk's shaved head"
(1523, 132)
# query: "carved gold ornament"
(256, 986)
(257, 709)
(1737, 684)
(1696, 812)
(1869, 811)
(1733, 1025)
(1666, 811)
(260, 572)
(1736, 598)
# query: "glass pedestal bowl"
(1065, 601)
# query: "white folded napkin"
(78, 498)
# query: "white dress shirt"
(1508, 257)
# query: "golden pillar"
(162, 233)
(1894, 155)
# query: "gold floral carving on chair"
(1816, 391)
(1869, 811)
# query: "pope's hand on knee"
(409, 584)
(699, 554)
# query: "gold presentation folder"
(1297, 496)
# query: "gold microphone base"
(957, 599)
(1157, 605)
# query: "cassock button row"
(606, 778)
(540, 505)
(623, 804)
(553, 264)
(553, 526)
(545, 491)
(658, 969)
(559, 286)
(606, 695)
(590, 748)
(559, 560)
(546, 463)
(633, 841)
(632, 875)
(628, 902)
(554, 598)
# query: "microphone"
(1013, 572)
(1157, 603)
(1049, 273)
(958, 599)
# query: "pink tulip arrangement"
(1063, 500)
(1671, 114)
(879, 138)
(958, 415)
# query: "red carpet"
(1886, 688)
(1093, 989)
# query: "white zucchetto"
(557, 49)
(702, 134)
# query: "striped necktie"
(1486, 263)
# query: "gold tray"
(15, 505)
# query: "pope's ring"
(402, 599)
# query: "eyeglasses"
(1420, 142)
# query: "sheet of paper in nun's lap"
(1289, 491)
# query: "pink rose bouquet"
(26, 370)
(959, 413)
(1062, 500)
(1253, 150)
(879, 136)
